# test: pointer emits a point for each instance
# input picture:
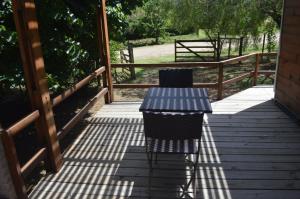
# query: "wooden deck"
(250, 149)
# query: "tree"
(227, 17)
(10, 70)
(154, 21)
(147, 21)
(272, 8)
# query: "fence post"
(255, 74)
(220, 81)
(218, 47)
(175, 48)
(241, 46)
(229, 49)
(264, 43)
(35, 77)
(131, 60)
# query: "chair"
(174, 133)
(176, 78)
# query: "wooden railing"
(219, 65)
(69, 92)
(25, 18)
(17, 171)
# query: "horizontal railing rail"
(69, 92)
(238, 78)
(169, 65)
(80, 114)
(33, 162)
(23, 123)
(237, 59)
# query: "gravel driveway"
(153, 51)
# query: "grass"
(156, 60)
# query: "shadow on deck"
(250, 149)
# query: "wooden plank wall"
(288, 74)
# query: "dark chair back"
(176, 78)
(173, 125)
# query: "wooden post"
(220, 81)
(255, 74)
(219, 48)
(175, 48)
(98, 77)
(229, 48)
(241, 46)
(264, 43)
(13, 164)
(101, 52)
(105, 48)
(131, 60)
(35, 77)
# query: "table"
(189, 100)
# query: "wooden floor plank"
(250, 149)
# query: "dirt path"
(153, 51)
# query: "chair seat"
(188, 146)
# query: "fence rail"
(220, 65)
(80, 114)
(206, 49)
(193, 50)
(69, 92)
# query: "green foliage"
(115, 48)
(153, 20)
(272, 9)
(10, 65)
(69, 40)
(270, 29)
(135, 28)
(147, 21)
(229, 17)
(238, 17)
